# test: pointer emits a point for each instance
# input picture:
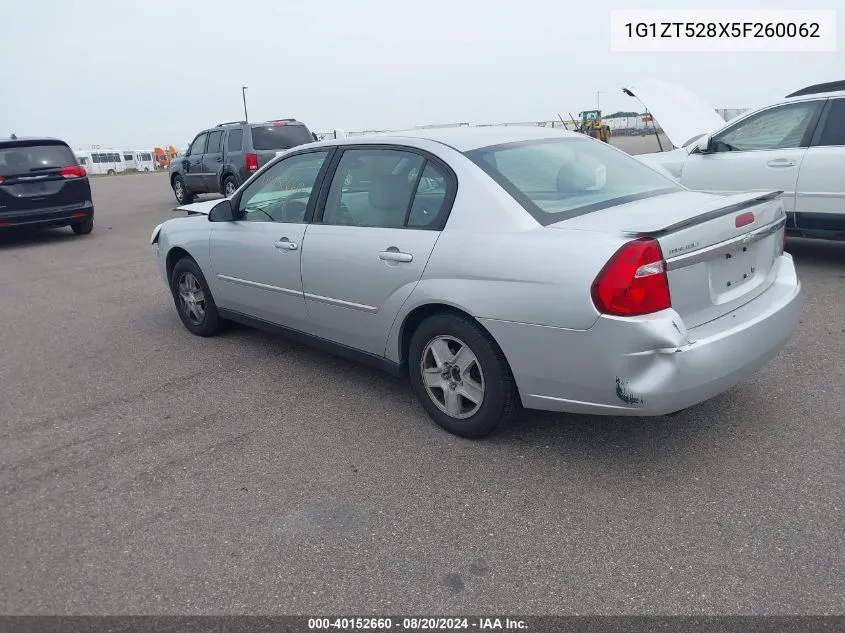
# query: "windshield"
(23, 158)
(556, 179)
(280, 136)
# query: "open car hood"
(203, 207)
(682, 114)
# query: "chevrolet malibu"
(497, 268)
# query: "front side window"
(781, 127)
(198, 146)
(283, 191)
(556, 179)
(833, 132)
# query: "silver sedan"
(497, 268)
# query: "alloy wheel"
(191, 298)
(452, 376)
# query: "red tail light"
(74, 171)
(279, 123)
(1, 180)
(252, 162)
(634, 281)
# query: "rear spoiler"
(738, 202)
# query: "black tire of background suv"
(84, 227)
(501, 399)
(213, 323)
(229, 179)
(188, 197)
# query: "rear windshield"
(557, 179)
(23, 158)
(280, 136)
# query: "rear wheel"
(229, 186)
(84, 227)
(193, 299)
(110, 172)
(461, 377)
(183, 196)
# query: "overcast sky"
(153, 72)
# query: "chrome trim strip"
(702, 255)
(342, 304)
(820, 194)
(260, 286)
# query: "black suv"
(43, 184)
(222, 158)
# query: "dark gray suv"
(222, 158)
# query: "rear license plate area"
(27, 189)
(733, 269)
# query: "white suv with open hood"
(796, 145)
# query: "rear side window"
(235, 143)
(24, 158)
(833, 132)
(556, 179)
(279, 136)
(214, 139)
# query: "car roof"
(32, 139)
(463, 139)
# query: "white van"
(142, 160)
(102, 161)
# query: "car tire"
(229, 182)
(110, 172)
(183, 196)
(193, 299)
(449, 392)
(83, 227)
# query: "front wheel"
(193, 299)
(183, 196)
(461, 377)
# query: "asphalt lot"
(144, 470)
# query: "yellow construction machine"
(591, 124)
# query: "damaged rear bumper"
(652, 365)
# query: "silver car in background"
(498, 268)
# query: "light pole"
(598, 106)
(243, 94)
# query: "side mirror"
(704, 144)
(222, 212)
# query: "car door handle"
(219, 159)
(285, 244)
(393, 254)
(781, 162)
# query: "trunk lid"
(31, 179)
(720, 250)
(683, 115)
